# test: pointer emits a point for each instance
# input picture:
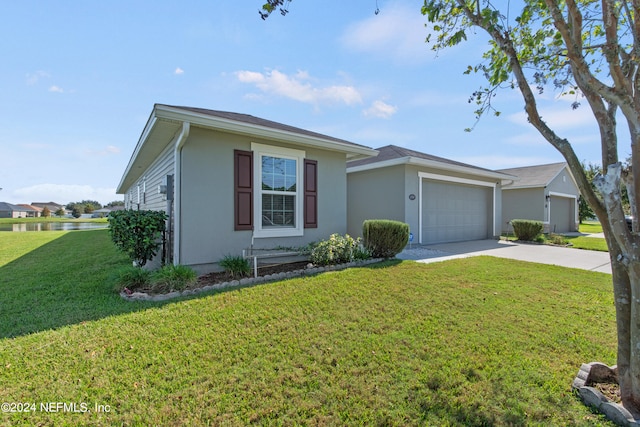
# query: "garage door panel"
(455, 212)
(561, 214)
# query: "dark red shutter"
(243, 189)
(310, 193)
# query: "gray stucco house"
(8, 210)
(442, 200)
(232, 181)
(546, 193)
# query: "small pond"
(53, 226)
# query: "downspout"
(177, 183)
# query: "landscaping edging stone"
(596, 372)
(142, 296)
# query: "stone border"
(595, 372)
(141, 296)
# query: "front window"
(279, 177)
(278, 197)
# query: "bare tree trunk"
(625, 268)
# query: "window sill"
(282, 232)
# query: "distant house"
(231, 181)
(101, 213)
(442, 200)
(32, 211)
(7, 210)
(52, 206)
(546, 193)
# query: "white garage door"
(453, 212)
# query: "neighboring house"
(7, 210)
(52, 206)
(32, 211)
(442, 200)
(101, 213)
(546, 193)
(232, 181)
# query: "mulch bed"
(222, 276)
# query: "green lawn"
(49, 219)
(590, 227)
(476, 341)
(589, 243)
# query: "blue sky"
(79, 80)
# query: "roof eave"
(353, 152)
(178, 115)
(434, 165)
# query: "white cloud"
(299, 88)
(61, 193)
(34, 78)
(179, 71)
(56, 89)
(109, 149)
(380, 109)
(398, 31)
(559, 117)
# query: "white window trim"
(260, 150)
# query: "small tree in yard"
(589, 49)
(46, 212)
(137, 233)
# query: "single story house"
(104, 212)
(8, 210)
(442, 200)
(32, 211)
(231, 181)
(52, 206)
(546, 193)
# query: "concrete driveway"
(544, 254)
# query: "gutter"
(177, 204)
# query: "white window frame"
(260, 150)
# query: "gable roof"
(258, 122)
(535, 176)
(50, 205)
(30, 208)
(391, 155)
(166, 121)
(8, 207)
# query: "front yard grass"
(590, 227)
(475, 341)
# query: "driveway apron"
(544, 254)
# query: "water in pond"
(53, 226)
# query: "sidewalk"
(544, 254)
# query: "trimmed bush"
(526, 229)
(338, 250)
(137, 233)
(385, 238)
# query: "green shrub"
(385, 238)
(137, 233)
(173, 278)
(337, 250)
(133, 278)
(236, 266)
(526, 229)
(557, 239)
